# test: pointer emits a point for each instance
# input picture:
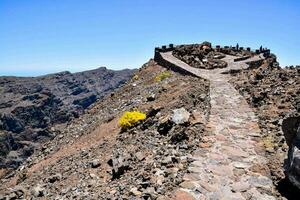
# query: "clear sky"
(45, 36)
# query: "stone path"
(229, 163)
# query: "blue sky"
(46, 36)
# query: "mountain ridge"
(31, 106)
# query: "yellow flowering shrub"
(135, 77)
(129, 119)
(163, 75)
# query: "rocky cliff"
(31, 107)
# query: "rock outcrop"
(30, 108)
(291, 130)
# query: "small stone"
(182, 195)
(270, 150)
(195, 170)
(207, 186)
(165, 126)
(240, 187)
(188, 185)
(38, 191)
(240, 165)
(150, 191)
(92, 182)
(135, 192)
(260, 182)
(204, 145)
(162, 198)
(234, 152)
(198, 117)
(221, 170)
(151, 97)
(54, 178)
(160, 179)
(167, 160)
(180, 116)
(112, 192)
(140, 156)
(255, 194)
(191, 177)
(93, 175)
(95, 163)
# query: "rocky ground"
(31, 107)
(274, 94)
(230, 163)
(92, 158)
(204, 56)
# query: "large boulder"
(291, 129)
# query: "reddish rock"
(204, 145)
(182, 195)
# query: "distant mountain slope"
(30, 106)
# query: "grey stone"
(260, 181)
(135, 192)
(240, 186)
(38, 191)
(167, 160)
(140, 156)
(180, 116)
(151, 97)
(95, 163)
(150, 192)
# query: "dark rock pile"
(30, 107)
(200, 56)
(291, 130)
(274, 92)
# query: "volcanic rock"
(30, 106)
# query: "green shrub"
(162, 76)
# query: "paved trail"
(229, 164)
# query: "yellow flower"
(162, 76)
(135, 77)
(129, 119)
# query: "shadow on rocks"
(288, 190)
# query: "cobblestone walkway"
(229, 163)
